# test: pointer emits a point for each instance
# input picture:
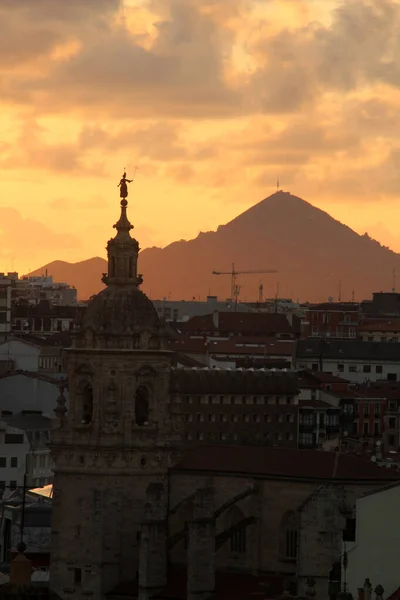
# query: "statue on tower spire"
(123, 192)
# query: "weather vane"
(123, 192)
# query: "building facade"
(358, 362)
(237, 406)
(5, 307)
(332, 320)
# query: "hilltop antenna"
(277, 183)
(261, 293)
(394, 280)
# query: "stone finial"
(310, 587)
(379, 591)
(367, 589)
(60, 411)
(20, 569)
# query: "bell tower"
(117, 437)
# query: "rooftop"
(243, 323)
(277, 463)
(347, 350)
(233, 381)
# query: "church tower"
(117, 438)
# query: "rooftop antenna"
(394, 280)
(340, 291)
(353, 295)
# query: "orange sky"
(211, 99)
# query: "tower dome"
(121, 315)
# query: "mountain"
(84, 275)
(312, 252)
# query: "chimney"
(215, 318)
(201, 547)
(153, 543)
(20, 568)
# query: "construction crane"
(235, 288)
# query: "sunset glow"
(212, 100)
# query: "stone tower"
(117, 438)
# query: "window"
(279, 418)
(87, 404)
(314, 367)
(189, 418)
(3, 317)
(392, 423)
(142, 406)
(366, 428)
(77, 575)
(378, 369)
(13, 485)
(3, 462)
(14, 462)
(377, 410)
(353, 369)
(306, 439)
(307, 419)
(246, 418)
(377, 428)
(391, 440)
(235, 519)
(366, 409)
(288, 536)
(340, 368)
(392, 376)
(14, 438)
(367, 369)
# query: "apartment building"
(237, 406)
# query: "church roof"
(119, 310)
(283, 463)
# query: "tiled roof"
(303, 403)
(237, 346)
(244, 323)
(216, 381)
(335, 306)
(347, 350)
(283, 463)
(392, 326)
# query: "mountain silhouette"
(316, 258)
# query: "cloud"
(19, 234)
(30, 150)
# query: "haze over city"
(212, 101)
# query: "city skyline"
(211, 101)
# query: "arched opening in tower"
(142, 405)
(87, 404)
